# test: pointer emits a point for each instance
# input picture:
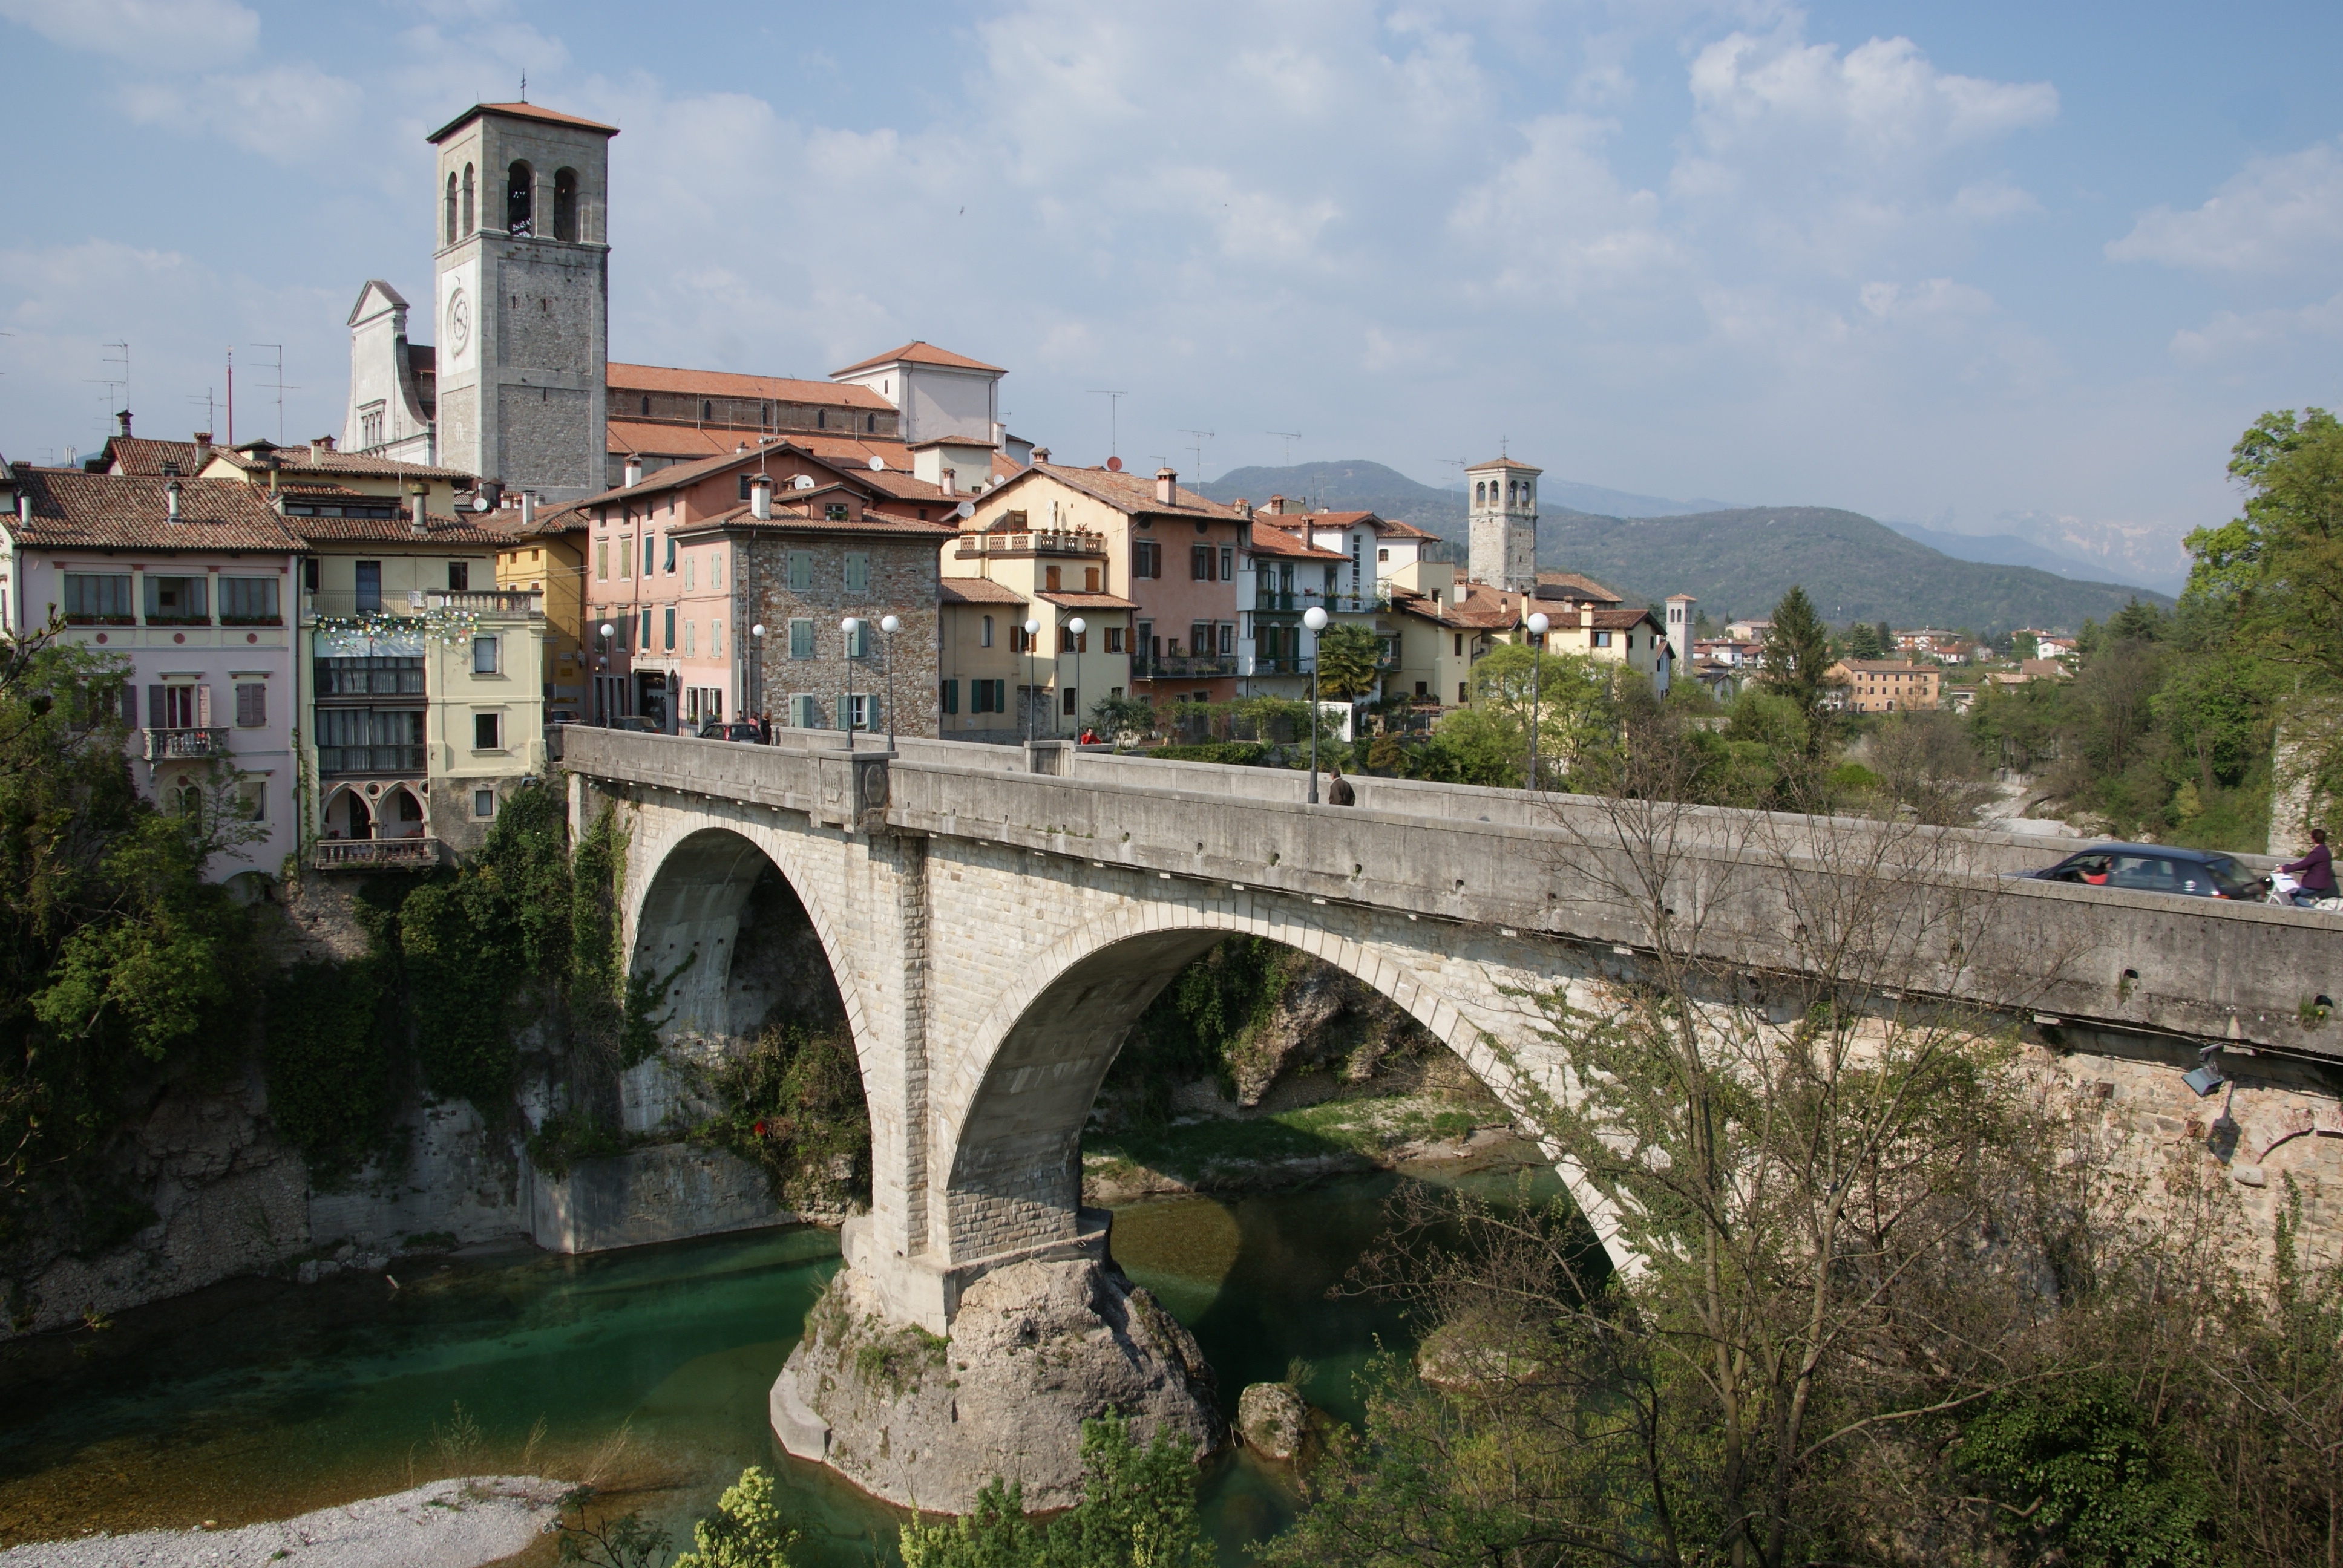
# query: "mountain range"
(1739, 560)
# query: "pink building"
(188, 581)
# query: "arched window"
(647, 405)
(565, 203)
(467, 200)
(451, 207)
(870, 422)
(520, 195)
(190, 801)
(1479, 492)
(707, 408)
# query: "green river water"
(257, 1400)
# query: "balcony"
(489, 601)
(1035, 542)
(1276, 601)
(186, 744)
(347, 602)
(343, 760)
(418, 854)
(1180, 665)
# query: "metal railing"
(179, 745)
(1144, 667)
(1277, 600)
(344, 759)
(1034, 541)
(368, 854)
(416, 601)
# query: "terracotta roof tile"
(625, 378)
(1268, 539)
(1579, 587)
(918, 351)
(73, 510)
(139, 454)
(798, 518)
(252, 458)
(979, 590)
(397, 530)
(1075, 600)
(520, 112)
(1133, 493)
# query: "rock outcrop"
(1037, 1348)
(1274, 1420)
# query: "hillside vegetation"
(1736, 561)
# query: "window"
(1460, 645)
(1228, 636)
(948, 696)
(95, 599)
(1115, 639)
(251, 704)
(1460, 691)
(601, 561)
(670, 629)
(858, 711)
(1049, 580)
(858, 645)
(626, 554)
(467, 201)
(1199, 563)
(460, 576)
(716, 639)
(380, 676)
(521, 189)
(370, 422)
(1200, 637)
(690, 649)
(1071, 706)
(371, 740)
(485, 660)
(800, 571)
(987, 697)
(670, 553)
(716, 569)
(833, 512)
(488, 731)
(1602, 640)
(369, 585)
(451, 210)
(650, 554)
(1228, 563)
(309, 575)
(190, 801)
(984, 639)
(801, 639)
(484, 803)
(857, 572)
(565, 203)
(176, 601)
(251, 799)
(1146, 558)
(805, 712)
(646, 643)
(1383, 555)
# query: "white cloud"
(1882, 102)
(2252, 340)
(2274, 216)
(185, 34)
(289, 114)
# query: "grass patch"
(1364, 1128)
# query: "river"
(645, 1369)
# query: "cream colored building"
(993, 679)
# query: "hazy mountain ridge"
(1737, 560)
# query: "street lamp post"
(1078, 626)
(609, 631)
(1314, 617)
(846, 629)
(1032, 631)
(1538, 624)
(757, 677)
(891, 625)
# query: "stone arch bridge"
(997, 917)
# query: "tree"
(1138, 1511)
(1572, 698)
(1864, 642)
(2281, 563)
(1927, 764)
(1795, 662)
(745, 1532)
(1347, 655)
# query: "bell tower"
(522, 297)
(1503, 524)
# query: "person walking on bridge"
(2315, 873)
(1340, 793)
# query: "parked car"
(2156, 869)
(636, 721)
(737, 729)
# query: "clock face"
(460, 323)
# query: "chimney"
(952, 482)
(122, 424)
(422, 494)
(24, 509)
(1244, 508)
(204, 439)
(761, 496)
(1040, 454)
(1277, 505)
(319, 446)
(1167, 487)
(171, 498)
(634, 470)
(528, 509)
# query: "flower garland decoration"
(450, 627)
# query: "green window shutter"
(858, 573)
(670, 632)
(800, 571)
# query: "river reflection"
(257, 1400)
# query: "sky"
(1997, 267)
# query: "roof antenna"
(1290, 437)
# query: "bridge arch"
(1010, 1124)
(685, 918)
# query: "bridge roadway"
(997, 917)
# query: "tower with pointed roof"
(521, 305)
(1502, 516)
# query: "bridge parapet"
(2197, 969)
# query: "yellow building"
(546, 554)
(1885, 686)
(994, 580)
(1446, 626)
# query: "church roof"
(1514, 463)
(731, 384)
(918, 351)
(518, 112)
(1572, 585)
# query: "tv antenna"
(5, 334)
(280, 386)
(210, 407)
(1113, 418)
(117, 386)
(1289, 437)
(1198, 448)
